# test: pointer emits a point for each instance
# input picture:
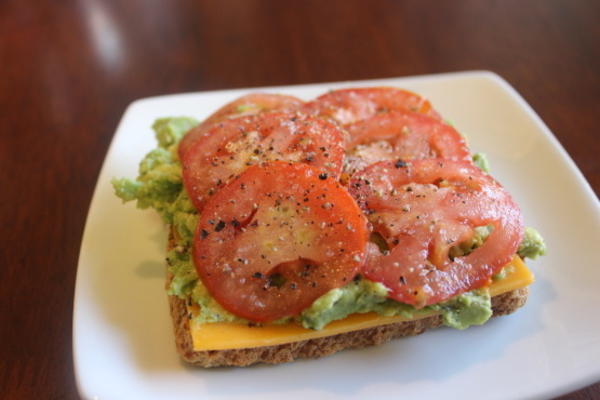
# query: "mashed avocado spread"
(159, 186)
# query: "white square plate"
(123, 341)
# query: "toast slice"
(502, 304)
(314, 348)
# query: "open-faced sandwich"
(298, 229)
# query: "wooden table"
(68, 70)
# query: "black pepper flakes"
(400, 164)
(219, 227)
(323, 176)
(203, 234)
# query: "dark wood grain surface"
(68, 69)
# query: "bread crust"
(314, 348)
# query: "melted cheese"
(223, 336)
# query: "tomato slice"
(411, 136)
(250, 104)
(402, 135)
(228, 147)
(276, 238)
(423, 208)
(347, 106)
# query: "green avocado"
(471, 308)
(533, 245)
(159, 186)
(481, 161)
(362, 296)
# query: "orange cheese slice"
(224, 336)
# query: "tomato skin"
(284, 220)
(228, 147)
(250, 104)
(422, 209)
(347, 106)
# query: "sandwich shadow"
(126, 281)
(150, 269)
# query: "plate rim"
(574, 384)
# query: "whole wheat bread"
(314, 348)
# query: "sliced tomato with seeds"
(347, 106)
(276, 238)
(402, 135)
(410, 136)
(250, 104)
(422, 209)
(227, 148)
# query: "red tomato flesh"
(347, 106)
(402, 135)
(422, 209)
(276, 238)
(230, 146)
(411, 136)
(250, 104)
